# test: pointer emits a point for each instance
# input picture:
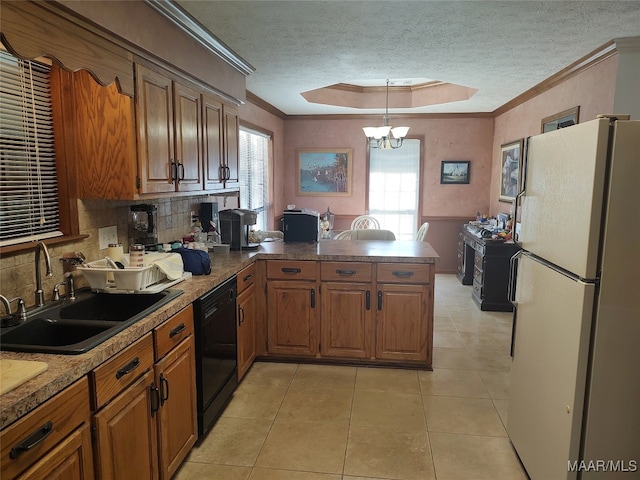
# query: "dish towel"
(170, 264)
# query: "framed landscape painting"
(452, 172)
(324, 171)
(510, 163)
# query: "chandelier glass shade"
(386, 136)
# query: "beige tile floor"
(318, 422)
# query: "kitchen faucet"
(41, 247)
(13, 318)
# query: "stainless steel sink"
(73, 327)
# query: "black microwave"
(301, 226)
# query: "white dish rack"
(148, 279)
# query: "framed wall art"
(453, 172)
(324, 171)
(510, 163)
(560, 120)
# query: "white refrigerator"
(574, 402)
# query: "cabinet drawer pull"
(340, 271)
(402, 274)
(177, 330)
(290, 270)
(164, 389)
(32, 440)
(128, 368)
(247, 278)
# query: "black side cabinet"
(488, 260)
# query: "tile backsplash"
(17, 270)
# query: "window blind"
(28, 182)
(254, 161)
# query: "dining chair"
(422, 232)
(344, 235)
(372, 234)
(364, 222)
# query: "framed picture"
(324, 171)
(510, 163)
(452, 172)
(560, 120)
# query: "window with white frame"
(394, 188)
(254, 167)
(28, 182)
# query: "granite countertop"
(65, 369)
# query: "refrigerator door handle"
(513, 266)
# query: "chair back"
(372, 234)
(364, 222)
(422, 232)
(344, 235)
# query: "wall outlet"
(107, 235)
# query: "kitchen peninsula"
(385, 288)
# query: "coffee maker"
(234, 228)
(143, 226)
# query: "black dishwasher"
(216, 352)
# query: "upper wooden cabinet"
(169, 134)
(220, 145)
(172, 139)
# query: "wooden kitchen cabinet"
(404, 324)
(346, 309)
(126, 399)
(175, 378)
(292, 313)
(247, 318)
(53, 441)
(220, 133)
(169, 133)
(125, 433)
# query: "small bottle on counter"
(136, 256)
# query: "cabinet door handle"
(180, 177)
(290, 270)
(164, 389)
(177, 330)
(402, 274)
(240, 316)
(128, 368)
(221, 172)
(228, 173)
(379, 299)
(340, 271)
(313, 298)
(367, 300)
(32, 440)
(155, 399)
(173, 173)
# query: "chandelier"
(385, 137)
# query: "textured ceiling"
(500, 48)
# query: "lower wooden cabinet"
(146, 421)
(176, 415)
(404, 312)
(246, 330)
(363, 311)
(346, 320)
(401, 328)
(53, 441)
(292, 317)
(125, 433)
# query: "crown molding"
(193, 29)
(598, 55)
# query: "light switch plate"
(107, 235)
